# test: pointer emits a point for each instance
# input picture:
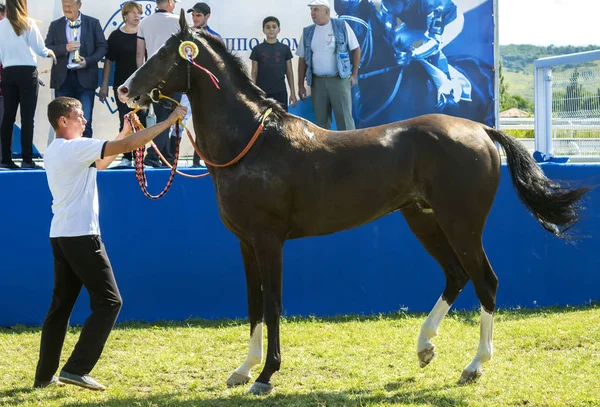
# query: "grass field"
(543, 358)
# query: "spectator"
(122, 44)
(200, 15)
(153, 32)
(271, 63)
(324, 52)
(21, 41)
(69, 77)
(80, 258)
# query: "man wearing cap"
(153, 32)
(329, 60)
(200, 15)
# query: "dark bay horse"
(300, 180)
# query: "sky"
(549, 22)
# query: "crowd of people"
(329, 56)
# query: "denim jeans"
(72, 88)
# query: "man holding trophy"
(79, 44)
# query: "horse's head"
(166, 72)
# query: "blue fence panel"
(174, 259)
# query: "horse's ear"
(183, 25)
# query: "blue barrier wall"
(173, 258)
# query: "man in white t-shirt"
(80, 259)
(329, 59)
(153, 32)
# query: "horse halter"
(188, 50)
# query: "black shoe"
(9, 165)
(30, 166)
(83, 381)
(40, 384)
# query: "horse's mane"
(237, 69)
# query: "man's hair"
(161, 2)
(2, 8)
(61, 106)
(271, 19)
(129, 7)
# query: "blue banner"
(422, 56)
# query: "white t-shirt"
(71, 172)
(157, 29)
(324, 58)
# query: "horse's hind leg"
(464, 229)
(424, 225)
(241, 375)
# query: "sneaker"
(126, 163)
(81, 380)
(30, 166)
(9, 165)
(40, 384)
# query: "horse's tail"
(554, 205)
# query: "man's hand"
(73, 46)
(82, 64)
(293, 100)
(353, 79)
(127, 130)
(178, 114)
(302, 92)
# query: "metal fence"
(567, 106)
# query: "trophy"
(74, 26)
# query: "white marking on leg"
(389, 137)
(429, 330)
(485, 350)
(255, 352)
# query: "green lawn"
(543, 358)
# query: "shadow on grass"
(435, 396)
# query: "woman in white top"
(21, 41)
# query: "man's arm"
(100, 44)
(301, 75)
(254, 72)
(123, 143)
(140, 53)
(290, 77)
(355, 65)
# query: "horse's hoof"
(260, 389)
(469, 376)
(237, 379)
(426, 356)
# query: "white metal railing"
(567, 107)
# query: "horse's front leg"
(241, 375)
(268, 250)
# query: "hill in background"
(517, 65)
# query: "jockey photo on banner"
(422, 56)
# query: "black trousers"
(123, 110)
(78, 261)
(19, 87)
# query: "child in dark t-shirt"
(271, 63)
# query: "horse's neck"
(224, 122)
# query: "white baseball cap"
(319, 3)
